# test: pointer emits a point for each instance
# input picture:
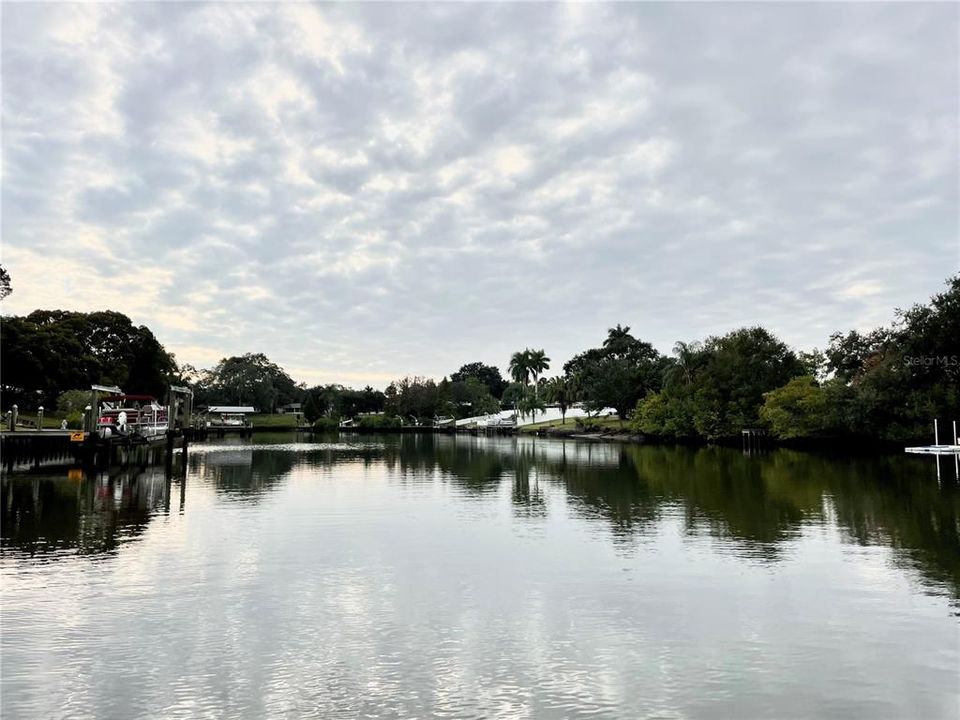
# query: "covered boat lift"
(228, 418)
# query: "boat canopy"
(230, 409)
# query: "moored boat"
(134, 416)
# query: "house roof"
(230, 409)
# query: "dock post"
(168, 458)
(936, 434)
(956, 456)
(188, 410)
(40, 418)
(13, 418)
(93, 409)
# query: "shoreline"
(845, 446)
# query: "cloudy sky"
(367, 191)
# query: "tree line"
(887, 384)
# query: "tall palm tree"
(686, 358)
(537, 362)
(616, 335)
(520, 366)
(619, 341)
(520, 372)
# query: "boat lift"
(179, 398)
(937, 449)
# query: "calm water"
(409, 576)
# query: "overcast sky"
(367, 191)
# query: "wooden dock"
(38, 447)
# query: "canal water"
(438, 576)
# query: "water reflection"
(752, 506)
(431, 576)
(240, 473)
(92, 512)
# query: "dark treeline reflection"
(888, 500)
(242, 473)
(753, 505)
(247, 471)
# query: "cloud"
(367, 191)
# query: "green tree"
(5, 287)
(248, 379)
(469, 398)
(50, 351)
(417, 398)
(715, 389)
(666, 414)
(619, 341)
(738, 368)
(311, 407)
(537, 363)
(687, 359)
(904, 376)
(520, 366)
(71, 401)
(560, 392)
(799, 409)
(616, 375)
(487, 374)
(391, 405)
(351, 403)
(530, 403)
(514, 393)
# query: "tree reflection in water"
(752, 506)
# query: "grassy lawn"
(273, 421)
(49, 423)
(570, 424)
(604, 423)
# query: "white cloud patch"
(362, 191)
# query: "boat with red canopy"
(140, 416)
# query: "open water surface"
(438, 576)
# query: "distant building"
(290, 408)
